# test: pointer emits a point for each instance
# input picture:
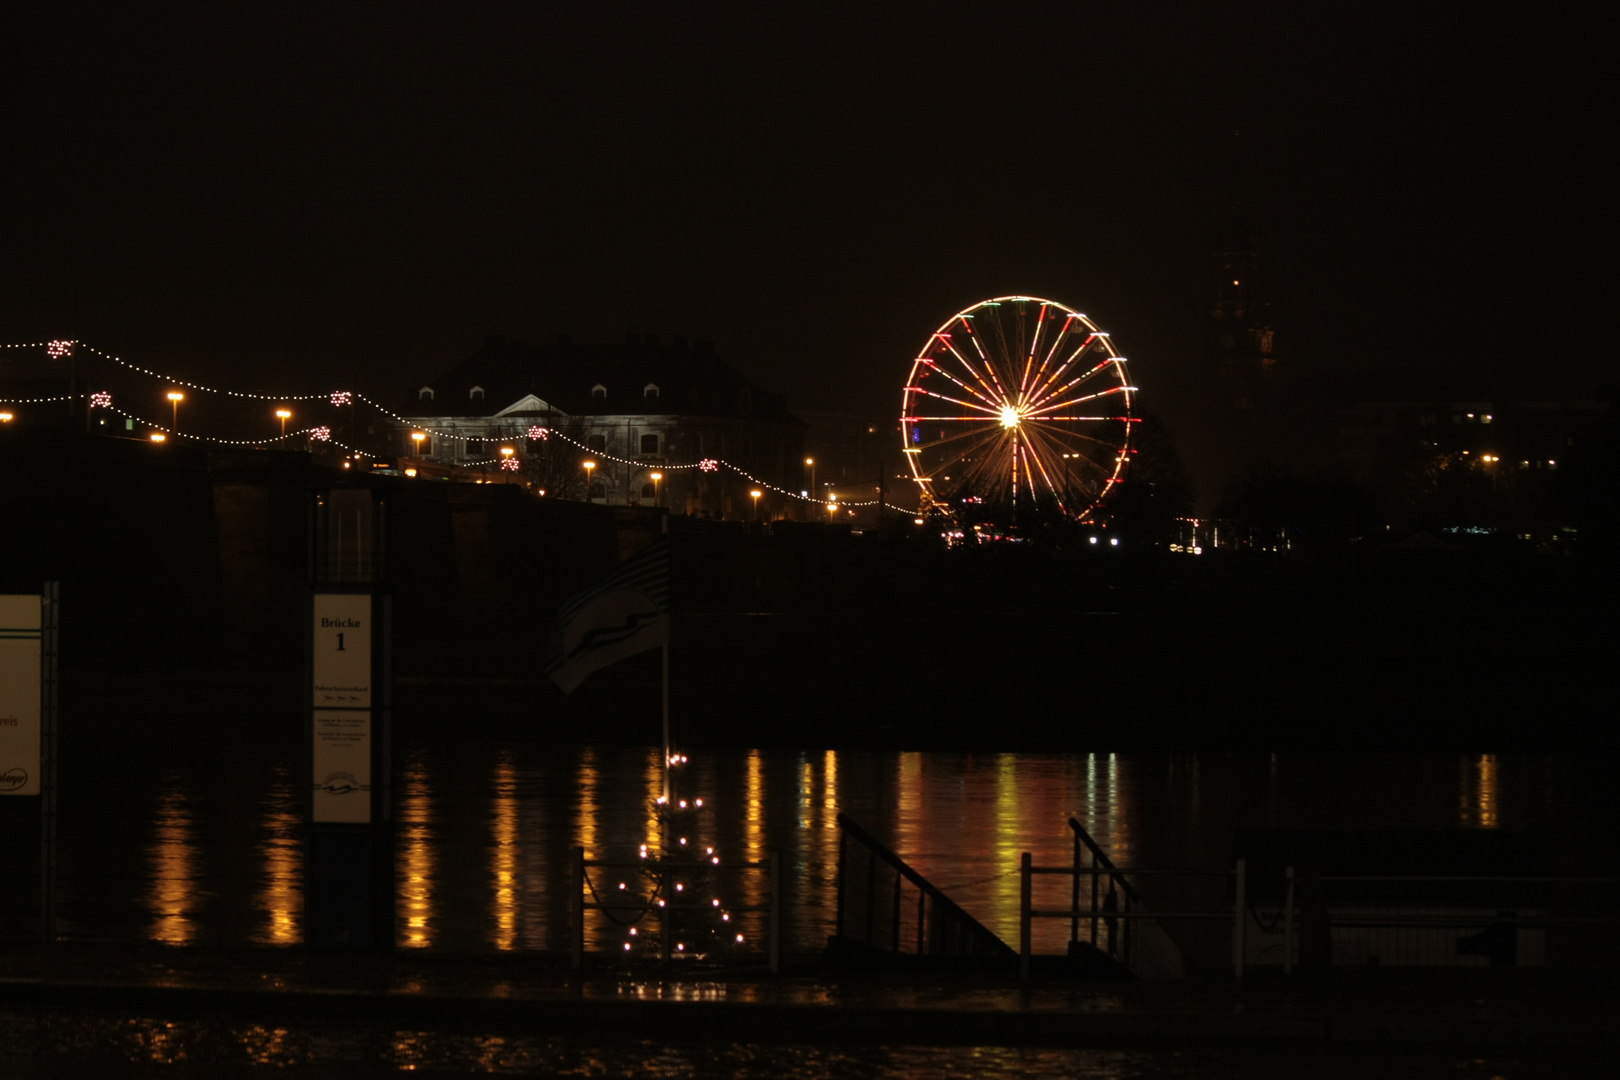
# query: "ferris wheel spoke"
(987, 410)
(1048, 391)
(979, 438)
(1065, 434)
(951, 345)
(938, 370)
(1044, 409)
(1046, 475)
(1046, 361)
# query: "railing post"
(1025, 880)
(776, 911)
(1094, 902)
(666, 914)
(1074, 899)
(579, 908)
(1288, 925)
(1239, 907)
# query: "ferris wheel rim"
(990, 387)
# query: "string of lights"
(189, 385)
(39, 400)
(346, 397)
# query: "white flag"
(626, 613)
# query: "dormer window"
(425, 394)
(476, 393)
(598, 392)
(650, 390)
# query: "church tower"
(1237, 324)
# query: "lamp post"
(810, 461)
(417, 437)
(283, 415)
(175, 398)
(589, 465)
(5, 417)
(506, 463)
(755, 494)
(655, 478)
(832, 505)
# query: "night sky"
(310, 196)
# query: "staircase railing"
(886, 905)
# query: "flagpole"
(669, 630)
(666, 722)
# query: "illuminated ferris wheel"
(1015, 404)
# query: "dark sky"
(342, 193)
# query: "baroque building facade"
(642, 412)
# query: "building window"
(649, 491)
(649, 444)
(650, 390)
(596, 443)
(425, 394)
(476, 393)
(598, 392)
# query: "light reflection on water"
(485, 829)
(172, 896)
(281, 899)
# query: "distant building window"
(425, 394)
(596, 443)
(476, 393)
(650, 390)
(649, 444)
(598, 392)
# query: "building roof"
(613, 379)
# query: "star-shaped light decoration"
(342, 397)
(59, 349)
(324, 434)
(708, 464)
(101, 399)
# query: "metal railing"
(667, 901)
(1134, 936)
(1429, 920)
(876, 907)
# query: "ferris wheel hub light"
(1009, 416)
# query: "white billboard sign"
(342, 759)
(19, 694)
(342, 644)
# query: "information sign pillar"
(28, 673)
(349, 880)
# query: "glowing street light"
(832, 504)
(755, 494)
(417, 437)
(158, 436)
(175, 398)
(507, 464)
(655, 478)
(5, 417)
(589, 465)
(810, 461)
(284, 415)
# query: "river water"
(195, 836)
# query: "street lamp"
(158, 436)
(655, 478)
(175, 398)
(284, 415)
(5, 418)
(589, 465)
(417, 437)
(755, 494)
(506, 462)
(832, 504)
